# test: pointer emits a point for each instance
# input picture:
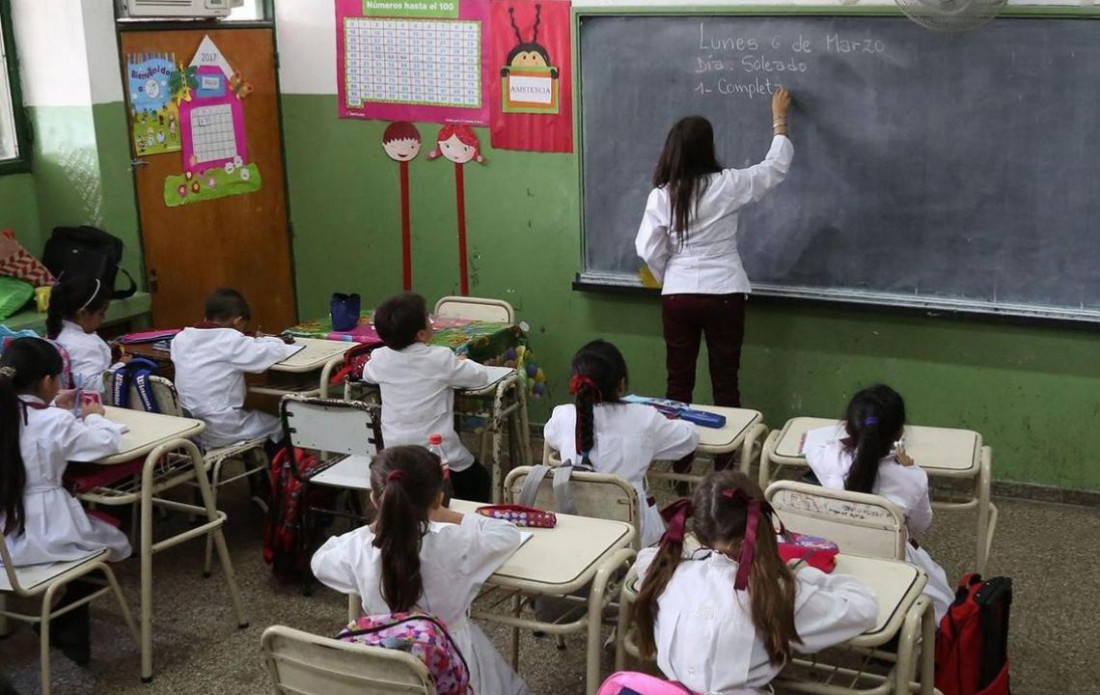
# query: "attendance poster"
(413, 60)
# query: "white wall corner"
(104, 65)
(307, 46)
(53, 61)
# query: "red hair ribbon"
(580, 380)
(676, 516)
(748, 546)
(396, 476)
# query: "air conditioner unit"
(179, 9)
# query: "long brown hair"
(688, 156)
(874, 421)
(599, 371)
(719, 517)
(407, 479)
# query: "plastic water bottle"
(435, 445)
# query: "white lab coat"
(455, 560)
(210, 367)
(629, 436)
(57, 528)
(704, 632)
(708, 262)
(89, 355)
(905, 486)
(418, 397)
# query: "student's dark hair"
(406, 480)
(24, 363)
(226, 304)
(719, 517)
(874, 421)
(71, 294)
(400, 318)
(687, 158)
(598, 371)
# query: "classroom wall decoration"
(414, 60)
(459, 144)
(214, 141)
(154, 114)
(401, 141)
(531, 91)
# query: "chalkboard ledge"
(930, 307)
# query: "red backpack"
(355, 358)
(285, 547)
(972, 645)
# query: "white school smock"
(57, 528)
(629, 436)
(704, 632)
(210, 367)
(708, 262)
(455, 560)
(89, 355)
(418, 397)
(905, 486)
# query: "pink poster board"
(212, 124)
(428, 64)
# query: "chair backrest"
(335, 426)
(305, 664)
(858, 523)
(164, 394)
(475, 309)
(597, 495)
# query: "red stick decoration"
(460, 194)
(406, 229)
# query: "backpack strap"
(563, 498)
(140, 370)
(531, 485)
(120, 386)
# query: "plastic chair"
(305, 664)
(351, 430)
(251, 454)
(475, 309)
(859, 523)
(46, 581)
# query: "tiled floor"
(1049, 550)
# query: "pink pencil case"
(520, 516)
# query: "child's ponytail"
(599, 374)
(772, 590)
(585, 397)
(406, 481)
(874, 421)
(660, 572)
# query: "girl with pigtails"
(867, 454)
(420, 555)
(613, 437)
(724, 616)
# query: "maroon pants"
(688, 318)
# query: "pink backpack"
(424, 636)
(633, 683)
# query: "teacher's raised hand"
(781, 101)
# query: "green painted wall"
(18, 208)
(81, 174)
(1034, 393)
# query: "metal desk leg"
(911, 630)
(749, 443)
(624, 557)
(985, 532)
(769, 446)
(928, 651)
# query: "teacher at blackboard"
(688, 239)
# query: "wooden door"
(238, 241)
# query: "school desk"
(902, 612)
(557, 562)
(743, 430)
(171, 459)
(316, 355)
(942, 452)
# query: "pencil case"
(520, 516)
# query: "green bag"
(14, 295)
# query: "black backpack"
(87, 251)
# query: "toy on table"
(681, 411)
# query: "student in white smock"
(861, 455)
(420, 555)
(725, 616)
(78, 305)
(43, 523)
(616, 438)
(418, 383)
(211, 360)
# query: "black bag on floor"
(87, 251)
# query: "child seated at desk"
(41, 522)
(417, 381)
(78, 305)
(866, 454)
(613, 437)
(734, 597)
(419, 555)
(211, 360)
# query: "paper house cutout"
(212, 123)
